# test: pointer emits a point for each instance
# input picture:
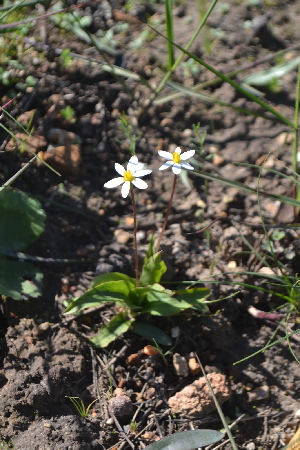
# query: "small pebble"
(232, 265)
(175, 332)
(110, 421)
(121, 406)
(260, 393)
(218, 160)
(140, 235)
(194, 366)
(122, 237)
(133, 360)
(180, 365)
(250, 446)
(149, 350)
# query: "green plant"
(187, 440)
(22, 222)
(65, 58)
(127, 128)
(68, 114)
(144, 294)
(133, 427)
(79, 405)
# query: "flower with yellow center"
(176, 160)
(130, 176)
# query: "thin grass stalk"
(178, 61)
(244, 188)
(296, 136)
(136, 255)
(27, 147)
(222, 417)
(232, 83)
(167, 216)
(200, 86)
(265, 230)
(267, 346)
(16, 175)
(22, 4)
(170, 32)
(11, 9)
(104, 66)
(209, 99)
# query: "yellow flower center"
(176, 158)
(128, 176)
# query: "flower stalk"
(136, 256)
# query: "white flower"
(175, 159)
(131, 175)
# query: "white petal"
(178, 150)
(140, 184)
(142, 173)
(187, 155)
(187, 166)
(125, 189)
(133, 163)
(166, 165)
(176, 169)
(120, 169)
(114, 182)
(165, 155)
(139, 167)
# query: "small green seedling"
(65, 58)
(79, 405)
(127, 128)
(68, 114)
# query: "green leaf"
(12, 279)
(151, 248)
(22, 220)
(111, 331)
(151, 332)
(159, 302)
(153, 270)
(111, 291)
(138, 294)
(114, 276)
(194, 297)
(265, 77)
(187, 440)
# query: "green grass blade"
(21, 4)
(296, 139)
(16, 175)
(262, 167)
(232, 83)
(168, 97)
(27, 148)
(244, 188)
(178, 61)
(170, 32)
(209, 99)
(268, 346)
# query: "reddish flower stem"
(136, 256)
(167, 216)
